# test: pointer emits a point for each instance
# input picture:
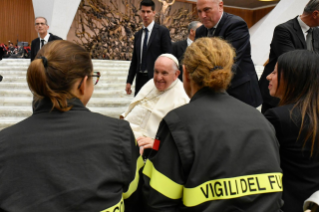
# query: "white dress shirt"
(150, 29)
(216, 24)
(189, 42)
(304, 27)
(46, 39)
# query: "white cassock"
(150, 105)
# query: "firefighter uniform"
(73, 161)
(215, 154)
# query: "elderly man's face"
(40, 26)
(209, 12)
(164, 73)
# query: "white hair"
(173, 58)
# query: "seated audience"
(64, 157)
(215, 154)
(295, 81)
(156, 98)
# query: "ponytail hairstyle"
(209, 62)
(54, 71)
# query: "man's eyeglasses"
(42, 24)
(95, 76)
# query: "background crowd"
(15, 51)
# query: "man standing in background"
(149, 42)
(217, 23)
(180, 46)
(41, 26)
(299, 33)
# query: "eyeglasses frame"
(95, 74)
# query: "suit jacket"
(301, 172)
(287, 37)
(35, 45)
(244, 85)
(159, 43)
(81, 161)
(179, 49)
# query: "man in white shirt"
(157, 97)
(149, 42)
(41, 26)
(299, 33)
(180, 46)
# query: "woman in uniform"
(64, 157)
(215, 153)
(295, 81)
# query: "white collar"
(150, 26)
(46, 38)
(216, 25)
(304, 27)
(219, 21)
(189, 41)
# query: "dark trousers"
(141, 79)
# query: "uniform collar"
(45, 106)
(204, 92)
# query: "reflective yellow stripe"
(161, 183)
(235, 187)
(119, 207)
(134, 184)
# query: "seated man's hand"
(145, 143)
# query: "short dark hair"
(148, 3)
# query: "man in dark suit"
(217, 23)
(180, 46)
(290, 36)
(41, 26)
(149, 42)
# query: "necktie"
(143, 66)
(309, 39)
(211, 32)
(42, 43)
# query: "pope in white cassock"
(157, 97)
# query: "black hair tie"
(44, 61)
(216, 67)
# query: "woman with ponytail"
(295, 81)
(211, 153)
(64, 157)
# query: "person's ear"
(177, 73)
(185, 74)
(315, 14)
(83, 86)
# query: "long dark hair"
(298, 72)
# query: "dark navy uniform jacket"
(214, 154)
(68, 161)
